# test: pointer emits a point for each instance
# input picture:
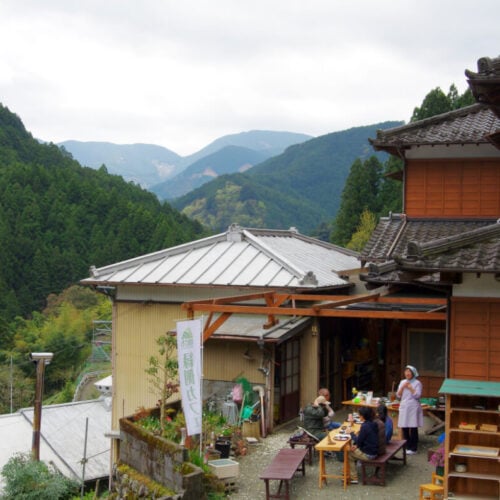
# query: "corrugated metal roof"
(239, 257)
(251, 327)
(62, 436)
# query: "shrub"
(27, 479)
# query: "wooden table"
(393, 411)
(285, 464)
(329, 443)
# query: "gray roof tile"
(435, 245)
(469, 125)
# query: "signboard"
(189, 355)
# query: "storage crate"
(224, 467)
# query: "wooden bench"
(381, 461)
(283, 467)
(308, 442)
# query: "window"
(426, 351)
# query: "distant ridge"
(150, 165)
(300, 187)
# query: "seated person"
(364, 445)
(388, 424)
(328, 422)
(314, 414)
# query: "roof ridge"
(416, 249)
(299, 273)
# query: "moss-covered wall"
(159, 459)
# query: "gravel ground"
(401, 482)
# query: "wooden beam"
(322, 313)
(345, 302)
(211, 328)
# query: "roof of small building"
(469, 125)
(433, 245)
(238, 257)
(62, 437)
(251, 327)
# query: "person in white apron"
(411, 416)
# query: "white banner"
(188, 350)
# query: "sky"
(181, 73)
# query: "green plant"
(163, 372)
(26, 479)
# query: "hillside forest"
(58, 218)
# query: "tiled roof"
(469, 125)
(241, 258)
(434, 245)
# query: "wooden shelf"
(479, 449)
(474, 410)
(474, 431)
(475, 475)
(468, 455)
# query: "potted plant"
(437, 459)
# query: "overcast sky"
(181, 73)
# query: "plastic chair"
(433, 490)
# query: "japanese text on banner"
(188, 349)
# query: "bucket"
(223, 446)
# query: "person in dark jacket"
(364, 445)
(314, 414)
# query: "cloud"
(182, 73)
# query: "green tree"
(437, 102)
(368, 223)
(28, 479)
(360, 192)
(163, 371)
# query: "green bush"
(27, 479)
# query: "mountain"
(270, 142)
(149, 165)
(144, 164)
(229, 159)
(300, 187)
(57, 218)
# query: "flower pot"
(440, 470)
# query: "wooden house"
(148, 292)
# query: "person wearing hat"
(411, 416)
(314, 414)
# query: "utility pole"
(40, 359)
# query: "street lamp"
(40, 359)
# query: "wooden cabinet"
(472, 466)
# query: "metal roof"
(62, 436)
(470, 387)
(250, 327)
(239, 257)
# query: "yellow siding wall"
(224, 360)
(136, 326)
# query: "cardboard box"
(224, 467)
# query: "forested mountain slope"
(57, 218)
(301, 187)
